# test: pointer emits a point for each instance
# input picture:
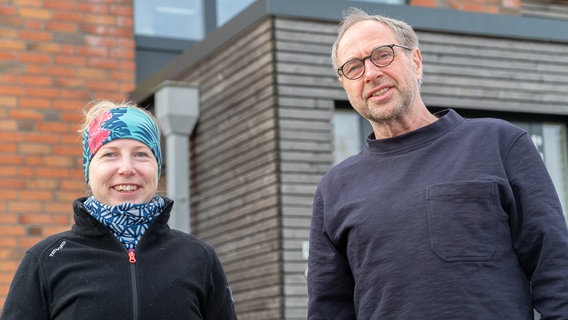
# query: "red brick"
(8, 193)
(62, 5)
(33, 24)
(68, 16)
(34, 103)
(8, 33)
(34, 148)
(25, 114)
(73, 94)
(36, 218)
(13, 137)
(12, 230)
(11, 159)
(34, 69)
(61, 26)
(7, 11)
(53, 127)
(74, 185)
(7, 147)
(34, 35)
(34, 80)
(95, 8)
(29, 241)
(60, 211)
(43, 137)
(92, 73)
(52, 173)
(34, 13)
(41, 58)
(41, 184)
(7, 171)
(34, 161)
(27, 172)
(8, 124)
(43, 92)
(36, 195)
(60, 70)
(93, 51)
(423, 3)
(7, 241)
(46, 47)
(70, 60)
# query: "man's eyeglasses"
(380, 57)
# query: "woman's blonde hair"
(96, 107)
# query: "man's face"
(381, 94)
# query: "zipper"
(132, 261)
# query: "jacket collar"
(88, 226)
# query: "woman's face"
(123, 170)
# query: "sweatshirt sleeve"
(330, 282)
(539, 230)
(220, 304)
(26, 299)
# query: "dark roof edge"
(421, 18)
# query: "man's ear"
(417, 62)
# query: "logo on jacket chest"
(54, 251)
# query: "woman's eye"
(141, 154)
(108, 154)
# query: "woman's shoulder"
(50, 244)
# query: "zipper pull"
(131, 256)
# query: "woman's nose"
(126, 167)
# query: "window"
(349, 133)
(169, 18)
(226, 9)
(383, 1)
(550, 140)
(550, 137)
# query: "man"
(439, 217)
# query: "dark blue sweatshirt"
(456, 220)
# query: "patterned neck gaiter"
(127, 221)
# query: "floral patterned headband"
(120, 123)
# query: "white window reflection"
(349, 133)
(383, 1)
(226, 9)
(169, 18)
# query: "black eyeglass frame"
(391, 46)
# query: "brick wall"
(512, 7)
(55, 55)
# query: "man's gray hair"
(403, 32)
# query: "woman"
(120, 260)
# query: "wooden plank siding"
(555, 9)
(477, 72)
(234, 181)
(265, 137)
(307, 89)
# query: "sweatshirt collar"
(447, 120)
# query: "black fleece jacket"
(86, 273)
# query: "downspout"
(177, 109)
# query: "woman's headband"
(120, 123)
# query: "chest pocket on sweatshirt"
(463, 220)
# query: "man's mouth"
(380, 92)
